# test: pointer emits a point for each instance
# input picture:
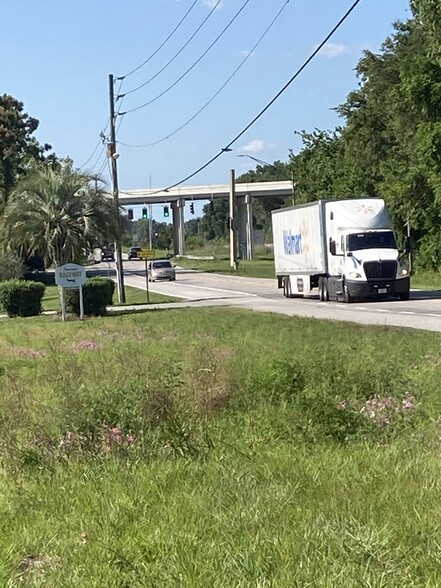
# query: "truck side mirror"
(332, 247)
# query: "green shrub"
(47, 278)
(97, 295)
(20, 298)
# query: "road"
(422, 311)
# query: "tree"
(214, 223)
(57, 213)
(18, 148)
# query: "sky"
(56, 57)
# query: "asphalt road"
(422, 311)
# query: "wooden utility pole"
(113, 158)
(232, 221)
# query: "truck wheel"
(404, 296)
(346, 296)
(285, 287)
(288, 289)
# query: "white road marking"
(361, 308)
(221, 290)
(382, 310)
(407, 312)
(432, 314)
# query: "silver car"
(161, 269)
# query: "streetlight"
(259, 161)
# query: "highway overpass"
(177, 197)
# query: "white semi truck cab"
(345, 249)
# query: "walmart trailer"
(341, 249)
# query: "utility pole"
(232, 221)
(113, 158)
(150, 217)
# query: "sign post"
(147, 280)
(71, 276)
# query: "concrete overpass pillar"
(245, 226)
(178, 231)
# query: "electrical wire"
(270, 103)
(161, 45)
(102, 133)
(97, 161)
(192, 66)
(266, 31)
(213, 8)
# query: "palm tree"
(57, 212)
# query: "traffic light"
(192, 208)
(145, 214)
(166, 211)
(130, 214)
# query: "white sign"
(70, 275)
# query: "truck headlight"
(404, 271)
(354, 275)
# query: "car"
(107, 254)
(161, 269)
(134, 253)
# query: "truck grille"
(380, 269)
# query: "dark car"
(107, 254)
(134, 253)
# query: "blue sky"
(55, 56)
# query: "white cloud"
(332, 50)
(255, 146)
(247, 53)
(212, 3)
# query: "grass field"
(51, 299)
(214, 448)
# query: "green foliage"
(11, 266)
(97, 295)
(18, 147)
(20, 298)
(58, 213)
(214, 223)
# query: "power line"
(270, 103)
(100, 141)
(174, 56)
(161, 45)
(219, 90)
(192, 66)
(102, 152)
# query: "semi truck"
(343, 249)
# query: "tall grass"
(218, 448)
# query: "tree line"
(388, 143)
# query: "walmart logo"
(292, 243)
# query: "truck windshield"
(371, 240)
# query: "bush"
(97, 295)
(47, 278)
(20, 298)
(11, 267)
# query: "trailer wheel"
(285, 286)
(405, 296)
(346, 296)
(325, 290)
(288, 288)
(321, 289)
